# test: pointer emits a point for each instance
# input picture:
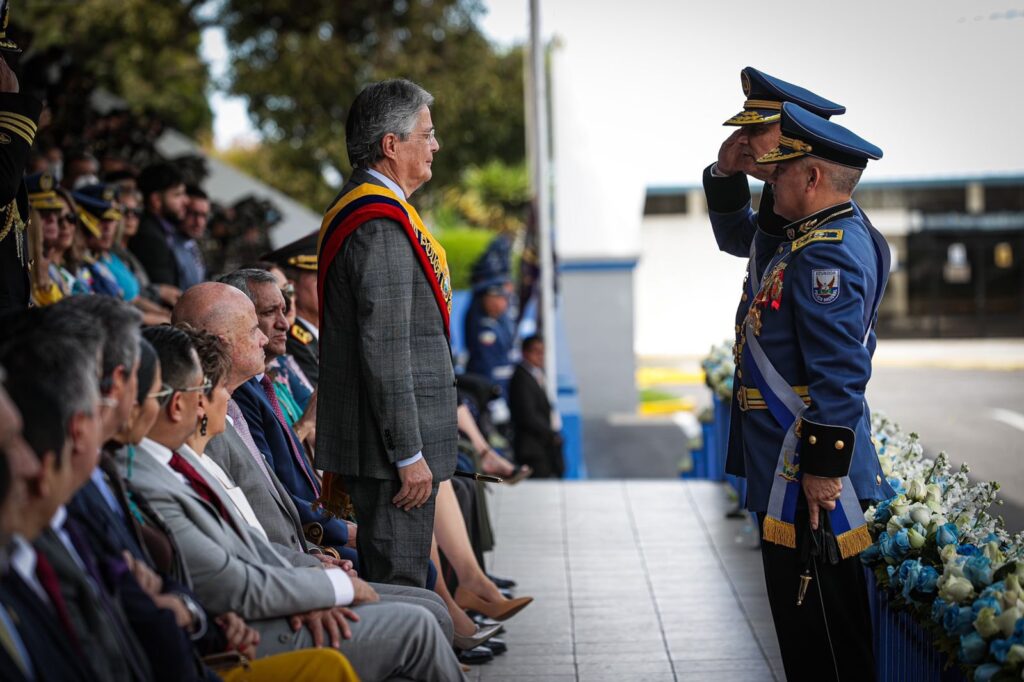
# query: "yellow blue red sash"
(369, 202)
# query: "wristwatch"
(198, 616)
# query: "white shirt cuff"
(402, 463)
(344, 593)
(715, 173)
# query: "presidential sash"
(369, 202)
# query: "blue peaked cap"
(804, 134)
(766, 95)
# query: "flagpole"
(540, 155)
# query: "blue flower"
(986, 602)
(994, 590)
(896, 547)
(897, 485)
(972, 648)
(872, 554)
(985, 673)
(882, 511)
(909, 572)
(999, 648)
(927, 581)
(978, 570)
(938, 609)
(968, 550)
(957, 620)
(946, 534)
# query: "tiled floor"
(633, 580)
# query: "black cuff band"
(825, 450)
(767, 219)
(726, 195)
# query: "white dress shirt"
(23, 561)
(309, 326)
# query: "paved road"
(976, 416)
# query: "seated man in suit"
(34, 646)
(232, 567)
(298, 262)
(270, 431)
(534, 424)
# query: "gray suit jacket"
(230, 572)
(387, 387)
(270, 501)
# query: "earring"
(202, 425)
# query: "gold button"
(878, 480)
(840, 445)
(739, 373)
(743, 297)
(812, 439)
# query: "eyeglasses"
(430, 136)
(69, 218)
(165, 392)
(288, 291)
(133, 212)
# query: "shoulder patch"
(825, 235)
(301, 335)
(825, 285)
(488, 338)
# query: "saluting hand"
(8, 81)
(820, 492)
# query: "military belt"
(751, 398)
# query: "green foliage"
(494, 196)
(300, 63)
(145, 52)
(463, 245)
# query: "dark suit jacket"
(535, 442)
(272, 440)
(14, 280)
(387, 387)
(53, 656)
(96, 613)
(151, 247)
(305, 348)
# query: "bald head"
(227, 312)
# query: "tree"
(300, 63)
(142, 51)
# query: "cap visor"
(780, 154)
(750, 117)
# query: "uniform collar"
(310, 327)
(800, 227)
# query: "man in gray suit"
(386, 420)
(234, 569)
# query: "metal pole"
(541, 157)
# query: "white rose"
(956, 589)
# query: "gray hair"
(122, 323)
(844, 179)
(59, 366)
(387, 107)
(244, 278)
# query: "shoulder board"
(301, 335)
(826, 235)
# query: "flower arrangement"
(719, 368)
(944, 556)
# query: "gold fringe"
(853, 542)
(779, 532)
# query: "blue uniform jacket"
(816, 314)
(272, 441)
(490, 344)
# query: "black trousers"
(394, 545)
(828, 637)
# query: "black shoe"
(497, 646)
(507, 594)
(476, 656)
(483, 621)
(503, 583)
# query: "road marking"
(1008, 417)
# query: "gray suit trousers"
(391, 640)
(394, 545)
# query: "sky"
(934, 83)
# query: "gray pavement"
(633, 580)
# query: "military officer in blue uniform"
(804, 359)
(489, 328)
(739, 230)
